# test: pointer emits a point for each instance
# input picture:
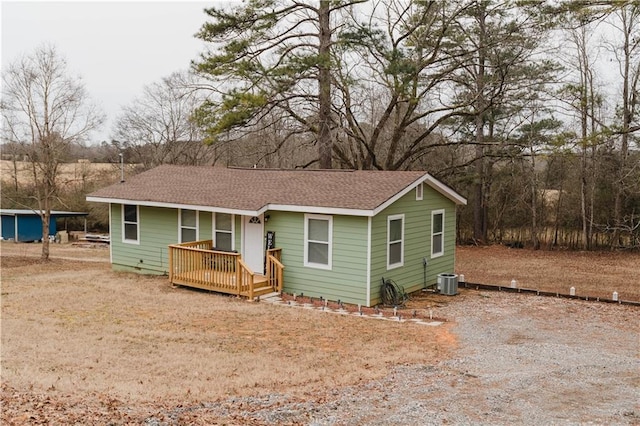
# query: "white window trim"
(180, 226)
(233, 229)
(111, 233)
(125, 240)
(329, 219)
(433, 213)
(369, 261)
(419, 192)
(401, 263)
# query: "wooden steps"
(261, 285)
(197, 264)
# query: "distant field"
(70, 173)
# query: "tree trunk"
(479, 208)
(557, 215)
(15, 173)
(584, 185)
(46, 217)
(628, 18)
(535, 239)
(325, 143)
(583, 196)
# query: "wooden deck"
(196, 264)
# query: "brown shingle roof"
(253, 189)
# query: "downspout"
(368, 261)
(110, 236)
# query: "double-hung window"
(188, 225)
(318, 230)
(437, 233)
(395, 241)
(223, 231)
(130, 224)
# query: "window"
(130, 224)
(223, 231)
(395, 241)
(419, 190)
(437, 233)
(188, 225)
(318, 231)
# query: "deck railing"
(198, 264)
(246, 280)
(275, 269)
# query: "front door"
(253, 243)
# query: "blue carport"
(26, 225)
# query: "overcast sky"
(116, 47)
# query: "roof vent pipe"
(121, 167)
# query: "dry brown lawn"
(79, 339)
(77, 328)
(593, 274)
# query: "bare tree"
(626, 22)
(585, 102)
(393, 82)
(505, 39)
(45, 110)
(158, 126)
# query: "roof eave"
(268, 207)
(318, 210)
(433, 183)
(445, 190)
(212, 209)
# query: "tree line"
(529, 109)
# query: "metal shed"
(26, 225)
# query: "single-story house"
(26, 225)
(325, 233)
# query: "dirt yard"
(84, 345)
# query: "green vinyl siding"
(237, 234)
(205, 226)
(346, 281)
(417, 243)
(158, 228)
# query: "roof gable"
(253, 191)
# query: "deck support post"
(238, 278)
(171, 264)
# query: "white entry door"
(253, 242)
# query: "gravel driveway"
(522, 359)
